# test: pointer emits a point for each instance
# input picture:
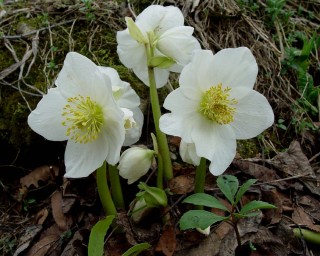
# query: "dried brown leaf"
(43, 173)
(167, 242)
(41, 216)
(182, 184)
(63, 221)
(300, 217)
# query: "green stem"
(160, 172)
(103, 190)
(116, 189)
(162, 139)
(200, 176)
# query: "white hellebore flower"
(162, 28)
(134, 163)
(216, 104)
(82, 110)
(129, 102)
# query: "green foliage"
(229, 186)
(153, 196)
(276, 11)
(136, 249)
(87, 9)
(97, 234)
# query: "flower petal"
(179, 44)
(159, 18)
(216, 143)
(196, 77)
(79, 75)
(161, 75)
(83, 159)
(46, 119)
(237, 61)
(130, 52)
(253, 115)
(188, 153)
(133, 134)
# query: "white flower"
(129, 102)
(216, 104)
(134, 163)
(188, 153)
(82, 110)
(162, 27)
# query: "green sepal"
(135, 32)
(161, 62)
(153, 196)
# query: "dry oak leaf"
(43, 173)
(64, 221)
(167, 242)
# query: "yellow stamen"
(84, 118)
(216, 105)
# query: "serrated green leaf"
(136, 249)
(97, 234)
(228, 185)
(255, 205)
(161, 62)
(199, 219)
(244, 188)
(205, 200)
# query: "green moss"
(247, 148)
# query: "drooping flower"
(129, 102)
(134, 163)
(162, 28)
(216, 104)
(82, 110)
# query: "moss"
(247, 148)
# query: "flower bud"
(134, 163)
(205, 231)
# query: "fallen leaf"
(43, 173)
(167, 242)
(300, 217)
(63, 220)
(26, 239)
(41, 216)
(182, 184)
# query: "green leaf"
(244, 188)
(136, 249)
(228, 185)
(255, 205)
(205, 200)
(97, 234)
(199, 219)
(161, 62)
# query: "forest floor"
(43, 213)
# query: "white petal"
(79, 75)
(161, 75)
(216, 143)
(179, 44)
(123, 93)
(133, 134)
(159, 18)
(115, 134)
(177, 101)
(46, 119)
(253, 115)
(188, 153)
(235, 67)
(196, 77)
(83, 159)
(130, 52)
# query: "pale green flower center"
(84, 118)
(216, 105)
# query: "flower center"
(84, 118)
(216, 105)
